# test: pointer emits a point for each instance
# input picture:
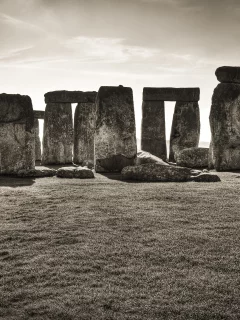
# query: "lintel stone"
(171, 94)
(38, 114)
(65, 96)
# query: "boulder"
(185, 130)
(146, 157)
(206, 177)
(225, 127)
(38, 172)
(228, 74)
(38, 114)
(65, 96)
(57, 134)
(115, 134)
(156, 172)
(38, 152)
(75, 172)
(153, 136)
(84, 128)
(17, 147)
(171, 94)
(193, 157)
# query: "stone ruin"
(224, 153)
(115, 132)
(185, 130)
(16, 133)
(58, 126)
(37, 115)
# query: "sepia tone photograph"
(119, 160)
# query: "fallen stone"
(38, 172)
(156, 172)
(75, 172)
(171, 94)
(57, 134)
(225, 127)
(228, 74)
(38, 152)
(153, 136)
(115, 134)
(38, 114)
(193, 157)
(195, 172)
(84, 128)
(185, 132)
(206, 177)
(65, 96)
(17, 151)
(146, 157)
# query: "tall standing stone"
(185, 132)
(16, 133)
(153, 136)
(84, 128)
(58, 134)
(225, 127)
(38, 152)
(115, 134)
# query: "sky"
(48, 45)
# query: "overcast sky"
(50, 45)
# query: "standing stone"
(185, 130)
(115, 135)
(57, 134)
(84, 127)
(153, 138)
(16, 133)
(37, 141)
(225, 127)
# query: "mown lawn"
(107, 249)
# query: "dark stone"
(206, 177)
(225, 127)
(185, 130)
(75, 172)
(115, 135)
(70, 96)
(156, 172)
(171, 94)
(38, 172)
(58, 134)
(146, 157)
(153, 138)
(16, 133)
(38, 114)
(38, 152)
(84, 128)
(228, 74)
(193, 157)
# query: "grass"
(107, 249)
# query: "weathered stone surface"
(58, 134)
(171, 94)
(38, 172)
(153, 137)
(156, 172)
(146, 157)
(225, 127)
(115, 135)
(185, 130)
(75, 172)
(38, 152)
(70, 96)
(16, 133)
(84, 128)
(193, 157)
(206, 177)
(228, 74)
(38, 114)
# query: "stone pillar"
(38, 152)
(115, 134)
(16, 133)
(84, 127)
(185, 132)
(58, 134)
(153, 135)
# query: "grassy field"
(108, 249)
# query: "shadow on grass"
(13, 182)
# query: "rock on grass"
(75, 172)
